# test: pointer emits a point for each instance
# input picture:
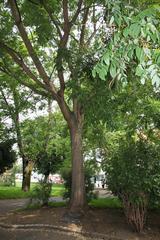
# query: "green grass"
(57, 190)
(106, 203)
(16, 192)
(13, 193)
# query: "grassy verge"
(13, 193)
(16, 192)
(106, 203)
(96, 203)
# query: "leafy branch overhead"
(134, 46)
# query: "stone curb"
(47, 227)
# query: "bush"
(41, 193)
(67, 176)
(133, 174)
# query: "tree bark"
(75, 123)
(27, 170)
(78, 200)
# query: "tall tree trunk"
(78, 200)
(75, 123)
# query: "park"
(80, 119)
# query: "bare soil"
(105, 221)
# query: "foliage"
(47, 148)
(9, 178)
(41, 193)
(133, 175)
(7, 155)
(46, 164)
(134, 41)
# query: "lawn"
(109, 202)
(16, 192)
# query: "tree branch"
(52, 18)
(84, 21)
(6, 102)
(66, 25)
(18, 59)
(17, 17)
(65, 11)
(77, 12)
(27, 84)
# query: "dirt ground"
(104, 221)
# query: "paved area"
(8, 205)
(38, 235)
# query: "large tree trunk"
(27, 170)
(78, 200)
(75, 123)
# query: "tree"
(55, 45)
(15, 103)
(67, 40)
(47, 149)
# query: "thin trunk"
(27, 169)
(46, 177)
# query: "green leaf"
(134, 30)
(156, 80)
(126, 32)
(113, 70)
(106, 58)
(111, 20)
(102, 74)
(140, 54)
(94, 72)
(158, 60)
(139, 70)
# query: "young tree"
(15, 101)
(48, 149)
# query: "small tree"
(47, 163)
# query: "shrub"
(133, 174)
(41, 193)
